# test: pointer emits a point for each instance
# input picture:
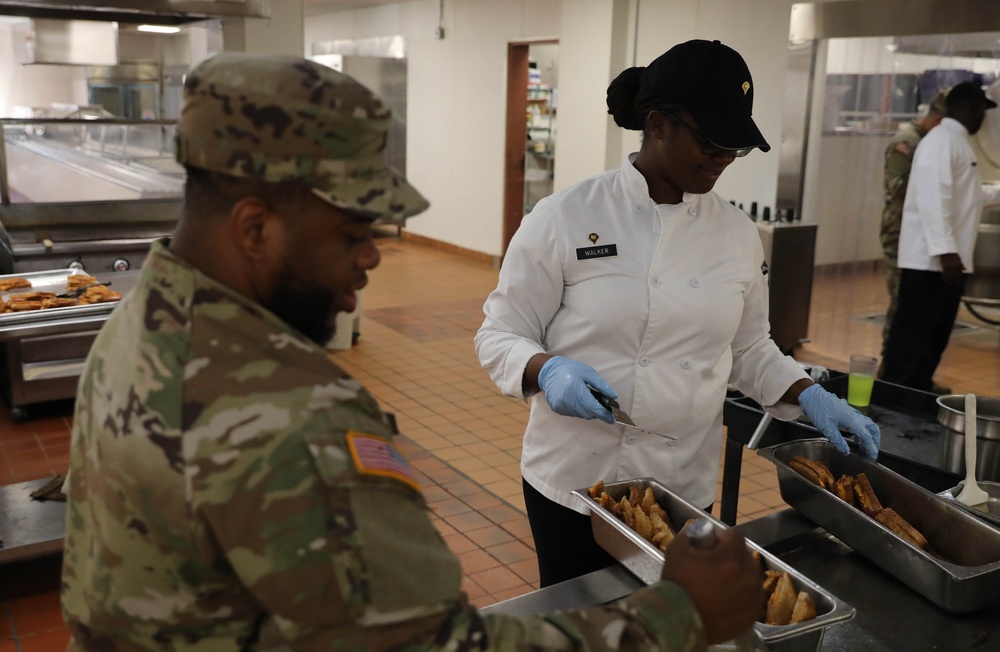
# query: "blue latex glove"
(829, 413)
(565, 382)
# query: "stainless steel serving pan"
(990, 512)
(646, 562)
(967, 575)
(951, 414)
(49, 281)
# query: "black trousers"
(564, 540)
(921, 329)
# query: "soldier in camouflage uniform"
(230, 488)
(898, 159)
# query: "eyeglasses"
(708, 148)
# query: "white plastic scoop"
(971, 494)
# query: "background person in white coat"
(941, 214)
(647, 286)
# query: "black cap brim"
(730, 131)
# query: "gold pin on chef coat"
(593, 237)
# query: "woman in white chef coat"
(647, 286)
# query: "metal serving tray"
(967, 581)
(49, 281)
(646, 561)
(992, 489)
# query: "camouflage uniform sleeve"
(898, 161)
(659, 617)
(341, 557)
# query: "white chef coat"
(678, 312)
(944, 200)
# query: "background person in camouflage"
(230, 488)
(898, 160)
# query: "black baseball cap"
(967, 90)
(713, 83)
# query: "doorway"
(530, 147)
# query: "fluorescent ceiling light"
(159, 29)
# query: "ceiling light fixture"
(158, 29)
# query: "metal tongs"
(73, 294)
(620, 416)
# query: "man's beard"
(303, 306)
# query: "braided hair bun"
(622, 94)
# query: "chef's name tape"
(603, 251)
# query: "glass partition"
(79, 160)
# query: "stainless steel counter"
(29, 528)
(889, 616)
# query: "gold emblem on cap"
(594, 238)
(745, 87)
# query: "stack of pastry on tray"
(640, 511)
(857, 491)
(87, 287)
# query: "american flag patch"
(375, 456)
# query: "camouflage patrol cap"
(938, 104)
(287, 119)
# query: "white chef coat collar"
(951, 124)
(638, 189)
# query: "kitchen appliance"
(42, 352)
(77, 194)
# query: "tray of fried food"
(937, 549)
(858, 492)
(635, 520)
(48, 295)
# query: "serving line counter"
(889, 615)
(945, 611)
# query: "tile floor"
(415, 354)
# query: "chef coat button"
(655, 282)
(692, 211)
(630, 440)
(644, 362)
(694, 283)
(637, 208)
(685, 365)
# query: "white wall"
(456, 102)
(587, 65)
(758, 30)
(282, 33)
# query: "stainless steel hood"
(163, 12)
(812, 21)
(66, 42)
